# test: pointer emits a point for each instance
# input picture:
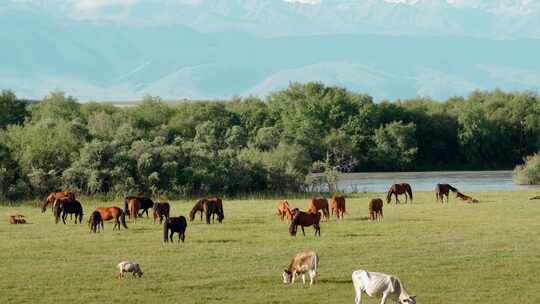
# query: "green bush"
(529, 172)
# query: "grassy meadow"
(452, 253)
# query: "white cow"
(128, 266)
(376, 284)
(302, 262)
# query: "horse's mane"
(452, 188)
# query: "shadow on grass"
(216, 241)
(362, 234)
(335, 281)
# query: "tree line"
(252, 145)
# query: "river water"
(426, 181)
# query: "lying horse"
(54, 196)
(398, 189)
(64, 206)
(109, 213)
(375, 209)
(337, 205)
(161, 210)
(441, 190)
(94, 222)
(174, 224)
(17, 219)
(305, 219)
(316, 204)
(284, 210)
(209, 207)
(144, 203)
(466, 198)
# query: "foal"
(174, 224)
(94, 222)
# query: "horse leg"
(182, 236)
(397, 200)
(317, 229)
(171, 236)
(303, 232)
(64, 216)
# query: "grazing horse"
(109, 213)
(17, 219)
(145, 203)
(64, 206)
(54, 196)
(161, 210)
(174, 224)
(466, 198)
(398, 189)
(283, 210)
(534, 198)
(94, 222)
(375, 209)
(208, 206)
(441, 190)
(316, 204)
(337, 205)
(305, 219)
(132, 207)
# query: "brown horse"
(17, 219)
(95, 221)
(398, 189)
(208, 206)
(466, 198)
(54, 196)
(109, 213)
(375, 209)
(441, 190)
(145, 203)
(316, 204)
(161, 210)
(283, 210)
(338, 206)
(305, 219)
(133, 205)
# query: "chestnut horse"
(208, 206)
(161, 210)
(132, 207)
(283, 210)
(398, 189)
(305, 219)
(54, 196)
(144, 203)
(174, 224)
(375, 209)
(109, 213)
(441, 190)
(94, 222)
(338, 206)
(316, 204)
(466, 198)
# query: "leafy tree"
(12, 110)
(396, 145)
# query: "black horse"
(174, 224)
(94, 222)
(63, 207)
(145, 203)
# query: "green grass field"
(454, 253)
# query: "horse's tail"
(126, 209)
(166, 231)
(123, 219)
(452, 188)
(389, 196)
(409, 191)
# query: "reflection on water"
(426, 181)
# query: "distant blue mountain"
(215, 49)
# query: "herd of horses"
(312, 216)
(64, 203)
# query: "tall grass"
(529, 172)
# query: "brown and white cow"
(302, 263)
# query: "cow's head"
(409, 300)
(287, 276)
